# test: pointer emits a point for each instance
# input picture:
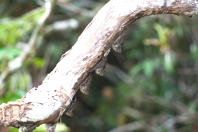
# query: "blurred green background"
(151, 87)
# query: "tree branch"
(46, 103)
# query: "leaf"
(163, 33)
(12, 96)
(14, 30)
(194, 50)
(9, 53)
(169, 62)
(147, 66)
(38, 62)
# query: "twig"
(129, 127)
(75, 9)
(112, 71)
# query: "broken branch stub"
(46, 103)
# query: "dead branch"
(46, 103)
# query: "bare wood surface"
(46, 103)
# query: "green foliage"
(59, 128)
(13, 30)
(169, 62)
(163, 35)
(147, 66)
(8, 53)
(194, 51)
(12, 96)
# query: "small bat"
(84, 87)
(69, 110)
(100, 66)
(117, 45)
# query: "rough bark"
(46, 103)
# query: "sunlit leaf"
(163, 33)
